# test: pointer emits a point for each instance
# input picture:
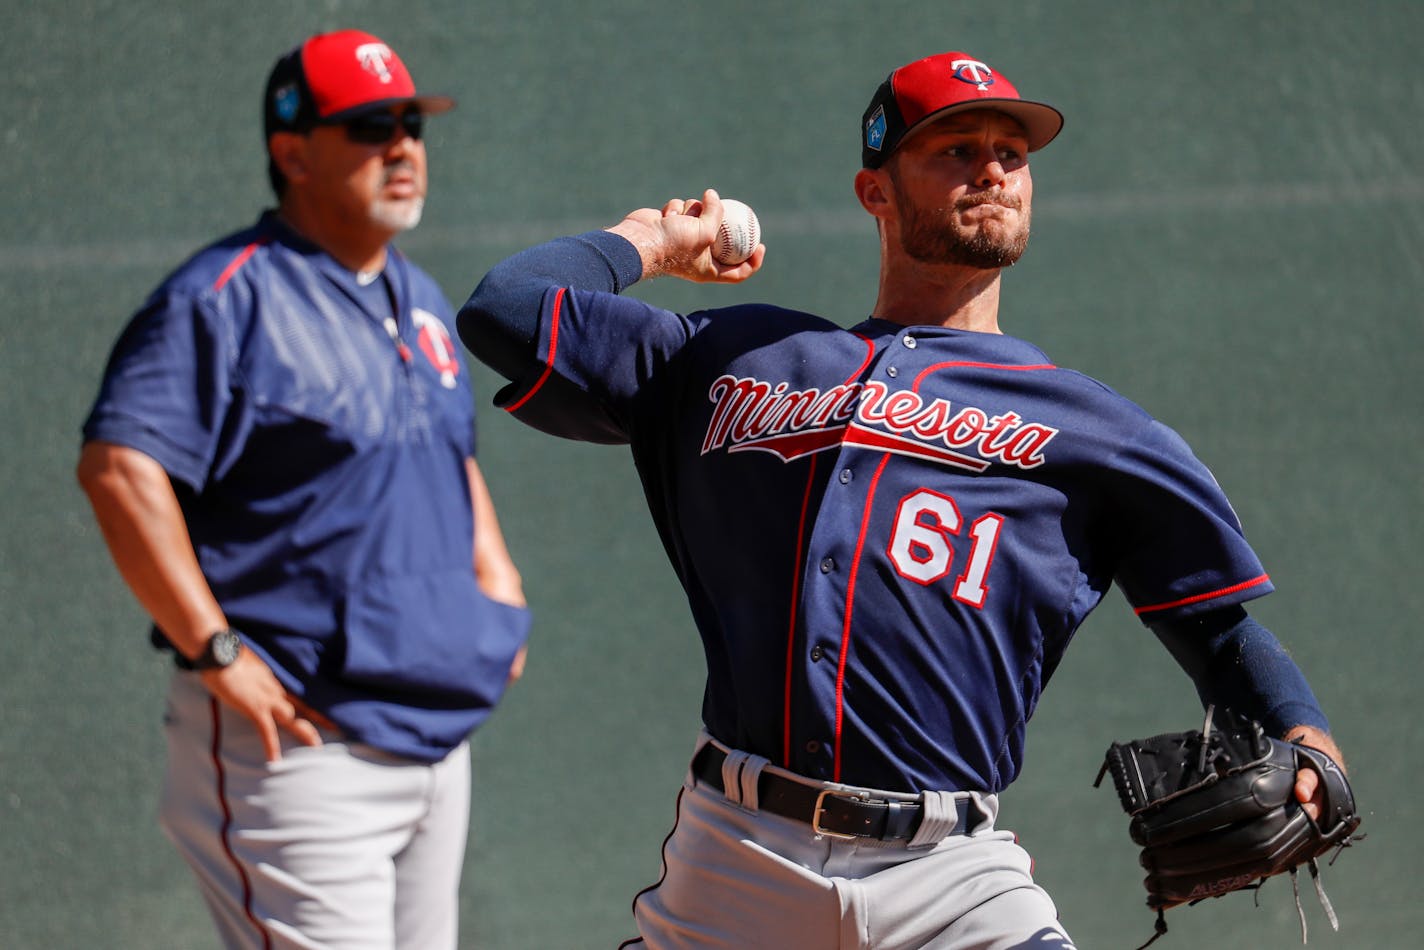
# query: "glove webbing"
(1160, 927)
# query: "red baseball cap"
(938, 86)
(333, 76)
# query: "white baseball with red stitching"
(739, 235)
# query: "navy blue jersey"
(887, 534)
(316, 431)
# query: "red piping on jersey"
(795, 604)
(236, 264)
(226, 829)
(800, 564)
(849, 612)
(1198, 598)
(553, 351)
(959, 363)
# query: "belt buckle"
(820, 810)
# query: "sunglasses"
(378, 128)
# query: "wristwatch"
(221, 652)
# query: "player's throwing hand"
(677, 241)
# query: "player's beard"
(933, 237)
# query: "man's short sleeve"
(166, 389)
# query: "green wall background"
(1230, 230)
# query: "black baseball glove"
(1215, 811)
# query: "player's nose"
(990, 171)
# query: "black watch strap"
(221, 651)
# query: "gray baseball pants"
(341, 847)
(735, 878)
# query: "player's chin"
(999, 243)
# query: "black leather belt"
(829, 812)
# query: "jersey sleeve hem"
(1246, 590)
(123, 430)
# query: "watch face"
(226, 646)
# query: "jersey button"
(813, 747)
(892, 372)
(816, 654)
(846, 476)
(910, 342)
(828, 564)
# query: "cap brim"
(1041, 121)
(429, 105)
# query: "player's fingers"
(673, 206)
(748, 267)
(1307, 788)
(712, 208)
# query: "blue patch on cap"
(287, 101)
(875, 129)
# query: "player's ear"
(875, 190)
(289, 154)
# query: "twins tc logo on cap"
(373, 58)
(331, 77)
(973, 72)
(941, 84)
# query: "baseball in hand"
(739, 235)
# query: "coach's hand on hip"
(249, 687)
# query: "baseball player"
(887, 535)
(281, 459)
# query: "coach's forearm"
(142, 523)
